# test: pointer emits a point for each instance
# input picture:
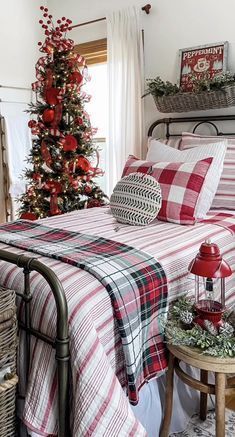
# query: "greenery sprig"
(180, 329)
(158, 88)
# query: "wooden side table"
(224, 383)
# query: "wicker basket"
(7, 407)
(184, 102)
(8, 346)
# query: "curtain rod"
(15, 87)
(145, 8)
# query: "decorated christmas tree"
(63, 159)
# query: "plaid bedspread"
(135, 281)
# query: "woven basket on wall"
(8, 346)
(184, 102)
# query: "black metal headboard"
(167, 122)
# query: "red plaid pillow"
(181, 183)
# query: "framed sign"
(201, 62)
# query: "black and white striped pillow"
(136, 199)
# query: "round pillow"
(136, 199)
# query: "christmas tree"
(64, 161)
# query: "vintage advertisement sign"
(202, 62)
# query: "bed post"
(61, 342)
(62, 349)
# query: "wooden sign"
(201, 62)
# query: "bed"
(80, 330)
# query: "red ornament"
(88, 189)
(93, 203)
(28, 216)
(48, 115)
(79, 121)
(36, 176)
(76, 77)
(31, 123)
(83, 163)
(69, 143)
(52, 96)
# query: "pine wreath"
(180, 329)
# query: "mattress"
(99, 404)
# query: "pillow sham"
(136, 199)
(159, 151)
(174, 142)
(225, 193)
(180, 182)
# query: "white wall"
(171, 25)
(20, 33)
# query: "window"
(95, 53)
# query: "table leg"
(203, 396)
(220, 383)
(168, 398)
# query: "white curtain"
(125, 79)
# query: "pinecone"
(186, 317)
(226, 330)
(210, 327)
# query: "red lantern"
(48, 115)
(210, 271)
(69, 143)
(76, 77)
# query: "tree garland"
(180, 329)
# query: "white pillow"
(160, 152)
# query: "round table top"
(196, 358)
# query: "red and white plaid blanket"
(135, 281)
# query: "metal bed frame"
(61, 342)
(29, 264)
(167, 122)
